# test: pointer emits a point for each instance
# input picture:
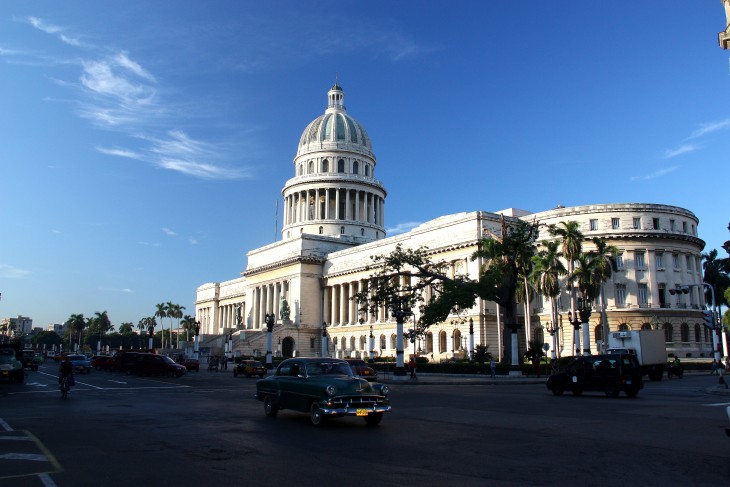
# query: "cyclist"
(66, 370)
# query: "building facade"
(334, 223)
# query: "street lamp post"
(372, 344)
(552, 329)
(269, 319)
(324, 339)
(584, 310)
(400, 315)
(151, 331)
(471, 339)
(196, 346)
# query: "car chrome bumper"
(352, 411)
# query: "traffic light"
(679, 290)
(707, 317)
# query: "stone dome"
(335, 129)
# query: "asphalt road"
(205, 428)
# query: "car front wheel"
(315, 415)
(557, 390)
(269, 407)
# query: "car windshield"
(328, 368)
(168, 360)
(7, 356)
(255, 364)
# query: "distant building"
(22, 325)
(334, 222)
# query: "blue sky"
(145, 144)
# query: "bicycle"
(65, 387)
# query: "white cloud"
(655, 174)
(123, 60)
(192, 241)
(119, 152)
(169, 232)
(402, 228)
(706, 128)
(42, 26)
(11, 272)
(683, 149)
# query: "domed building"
(334, 221)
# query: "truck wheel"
(557, 390)
(612, 390)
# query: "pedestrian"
(224, 361)
(412, 366)
(493, 368)
(715, 367)
(727, 364)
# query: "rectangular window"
(637, 223)
(643, 296)
(675, 261)
(619, 261)
(594, 224)
(639, 259)
(659, 260)
(620, 295)
(684, 227)
(671, 225)
(615, 224)
(688, 261)
(655, 221)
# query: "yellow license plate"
(362, 412)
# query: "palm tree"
(188, 324)
(589, 284)
(75, 324)
(170, 307)
(161, 313)
(546, 276)
(605, 265)
(176, 311)
(571, 242)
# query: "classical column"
(342, 305)
(337, 205)
(333, 302)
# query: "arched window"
(382, 342)
(355, 167)
(362, 343)
(321, 230)
(341, 165)
(684, 332)
(392, 342)
(300, 168)
(668, 332)
(698, 334)
(343, 345)
(442, 342)
(429, 343)
(367, 170)
(352, 343)
(646, 326)
(310, 168)
(325, 165)
(598, 333)
(623, 327)
(362, 232)
(456, 345)
(342, 230)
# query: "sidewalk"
(461, 379)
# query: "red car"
(361, 369)
(190, 364)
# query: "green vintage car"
(324, 388)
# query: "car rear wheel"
(315, 415)
(577, 392)
(374, 419)
(557, 390)
(632, 392)
(269, 407)
(612, 390)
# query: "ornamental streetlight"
(584, 310)
(372, 345)
(324, 339)
(269, 319)
(151, 331)
(552, 329)
(400, 314)
(196, 347)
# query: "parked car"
(323, 387)
(362, 369)
(610, 374)
(153, 364)
(121, 361)
(10, 367)
(30, 359)
(248, 368)
(189, 363)
(80, 362)
(99, 362)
